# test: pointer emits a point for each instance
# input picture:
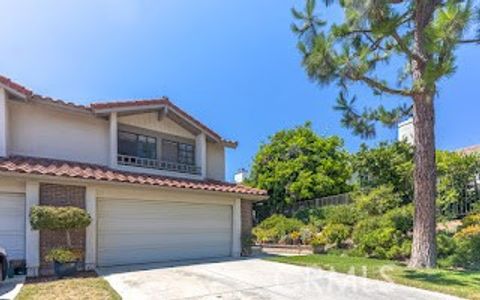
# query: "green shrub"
(58, 218)
(377, 201)
(333, 214)
(307, 233)
(446, 245)
(377, 237)
(471, 219)
(467, 253)
(400, 252)
(340, 214)
(62, 255)
(265, 235)
(336, 234)
(400, 218)
(276, 227)
(313, 216)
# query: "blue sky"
(232, 64)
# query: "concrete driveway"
(249, 279)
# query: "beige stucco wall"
(42, 131)
(150, 121)
(10, 185)
(215, 161)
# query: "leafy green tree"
(297, 164)
(389, 164)
(457, 178)
(420, 35)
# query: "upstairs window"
(137, 145)
(178, 152)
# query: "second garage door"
(141, 231)
(12, 224)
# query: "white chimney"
(406, 131)
(240, 175)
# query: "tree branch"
(402, 46)
(379, 86)
(470, 41)
(383, 87)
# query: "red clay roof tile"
(15, 86)
(61, 168)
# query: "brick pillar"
(247, 217)
(247, 224)
(60, 195)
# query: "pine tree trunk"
(424, 244)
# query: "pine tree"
(422, 36)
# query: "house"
(406, 132)
(151, 176)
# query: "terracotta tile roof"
(60, 168)
(60, 102)
(15, 86)
(106, 105)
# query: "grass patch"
(85, 286)
(459, 283)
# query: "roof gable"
(102, 108)
(151, 121)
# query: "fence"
(460, 209)
(320, 202)
(456, 210)
(261, 211)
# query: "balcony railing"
(135, 161)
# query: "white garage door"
(140, 231)
(12, 224)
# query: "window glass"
(186, 154)
(178, 152)
(137, 145)
(169, 151)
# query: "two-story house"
(151, 176)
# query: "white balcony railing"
(135, 161)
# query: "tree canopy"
(297, 164)
(388, 164)
(373, 34)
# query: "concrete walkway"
(250, 279)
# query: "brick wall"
(247, 224)
(60, 195)
(247, 218)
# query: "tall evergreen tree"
(423, 35)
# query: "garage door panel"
(162, 226)
(149, 211)
(12, 224)
(163, 241)
(140, 231)
(139, 256)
